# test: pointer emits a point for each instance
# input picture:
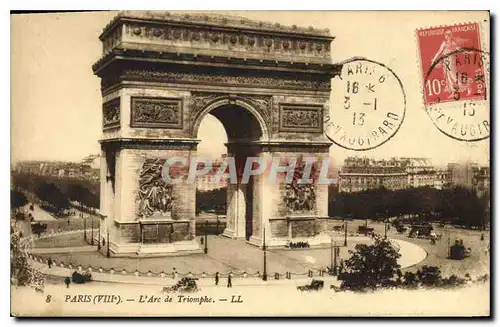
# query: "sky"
(56, 99)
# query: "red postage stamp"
(452, 63)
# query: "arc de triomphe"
(161, 73)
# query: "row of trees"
(459, 205)
(29, 182)
(55, 200)
(82, 195)
(55, 196)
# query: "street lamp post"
(264, 276)
(345, 233)
(107, 252)
(331, 256)
(206, 231)
(99, 237)
(84, 229)
(335, 252)
(92, 231)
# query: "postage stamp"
(370, 107)
(455, 76)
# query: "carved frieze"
(111, 114)
(150, 112)
(301, 118)
(320, 83)
(154, 196)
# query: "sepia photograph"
(250, 164)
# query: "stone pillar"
(148, 215)
(236, 210)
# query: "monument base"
(154, 250)
(229, 233)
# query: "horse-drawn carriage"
(78, 278)
(315, 285)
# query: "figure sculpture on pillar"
(155, 196)
(299, 197)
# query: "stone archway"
(160, 75)
(245, 127)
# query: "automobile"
(362, 229)
(315, 285)
(420, 231)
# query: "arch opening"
(241, 126)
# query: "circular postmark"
(456, 94)
(368, 105)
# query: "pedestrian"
(67, 281)
(201, 240)
(229, 283)
(174, 273)
(216, 278)
(68, 222)
(49, 263)
(482, 237)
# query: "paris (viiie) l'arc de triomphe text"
(161, 74)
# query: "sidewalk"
(39, 214)
(74, 249)
(118, 277)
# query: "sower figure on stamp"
(450, 45)
(216, 278)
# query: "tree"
(17, 200)
(213, 200)
(371, 266)
(21, 271)
(410, 280)
(429, 276)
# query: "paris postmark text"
(369, 107)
